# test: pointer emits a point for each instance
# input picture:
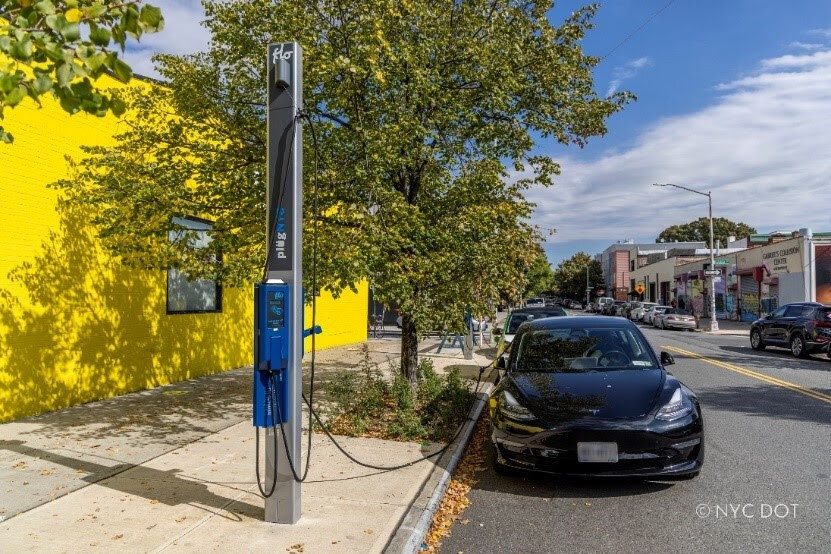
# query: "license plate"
(602, 452)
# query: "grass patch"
(365, 403)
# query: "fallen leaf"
(119, 536)
(154, 501)
(46, 472)
(181, 519)
(368, 531)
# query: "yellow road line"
(749, 373)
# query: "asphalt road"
(765, 486)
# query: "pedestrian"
(674, 303)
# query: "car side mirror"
(667, 359)
(500, 363)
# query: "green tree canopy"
(539, 277)
(62, 46)
(570, 276)
(416, 107)
(699, 230)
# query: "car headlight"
(677, 407)
(512, 409)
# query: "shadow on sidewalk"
(166, 487)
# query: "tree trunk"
(409, 348)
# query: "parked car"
(589, 396)
(535, 303)
(648, 307)
(620, 308)
(602, 302)
(804, 328)
(576, 305)
(650, 316)
(675, 318)
(637, 313)
(518, 317)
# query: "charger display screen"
(276, 305)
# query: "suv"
(804, 328)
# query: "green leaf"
(14, 97)
(100, 36)
(151, 19)
(121, 70)
(5, 43)
(71, 32)
(42, 84)
(64, 74)
(6, 136)
(45, 7)
(96, 10)
(22, 50)
(117, 106)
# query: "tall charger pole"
(284, 268)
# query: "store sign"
(783, 260)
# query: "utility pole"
(709, 195)
(588, 288)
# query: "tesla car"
(588, 396)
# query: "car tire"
(798, 348)
(756, 342)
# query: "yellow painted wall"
(75, 326)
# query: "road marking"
(760, 376)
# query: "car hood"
(557, 398)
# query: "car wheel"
(798, 346)
(756, 340)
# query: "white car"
(649, 317)
(637, 313)
(535, 303)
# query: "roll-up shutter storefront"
(750, 298)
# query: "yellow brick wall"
(75, 326)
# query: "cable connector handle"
(316, 330)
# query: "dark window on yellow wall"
(186, 296)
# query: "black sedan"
(588, 396)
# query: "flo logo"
(281, 53)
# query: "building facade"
(622, 260)
(75, 325)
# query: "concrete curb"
(416, 521)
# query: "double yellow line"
(755, 375)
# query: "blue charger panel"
(272, 321)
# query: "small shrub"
(366, 403)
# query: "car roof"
(579, 322)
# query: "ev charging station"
(278, 300)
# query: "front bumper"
(641, 452)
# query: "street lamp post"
(588, 289)
(709, 195)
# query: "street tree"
(62, 47)
(699, 230)
(539, 278)
(570, 276)
(416, 108)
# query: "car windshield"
(518, 318)
(580, 349)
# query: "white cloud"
(805, 45)
(820, 32)
(762, 149)
(626, 71)
(182, 34)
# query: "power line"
(637, 30)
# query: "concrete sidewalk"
(726, 327)
(172, 468)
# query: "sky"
(734, 98)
